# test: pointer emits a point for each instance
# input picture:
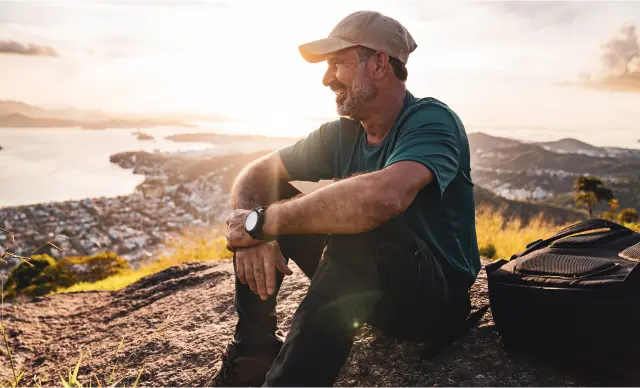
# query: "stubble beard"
(351, 102)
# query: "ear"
(381, 65)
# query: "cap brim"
(318, 50)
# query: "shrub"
(95, 267)
(45, 274)
(41, 277)
(629, 216)
(192, 245)
(489, 251)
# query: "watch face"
(251, 221)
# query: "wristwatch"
(254, 222)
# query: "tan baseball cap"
(363, 28)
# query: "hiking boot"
(238, 370)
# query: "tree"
(590, 191)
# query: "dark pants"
(386, 277)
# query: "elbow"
(397, 200)
(392, 204)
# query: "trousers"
(386, 277)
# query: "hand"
(237, 236)
(257, 265)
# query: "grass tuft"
(503, 237)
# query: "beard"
(353, 98)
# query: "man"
(392, 242)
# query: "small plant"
(16, 376)
(628, 215)
(489, 251)
(192, 245)
(42, 274)
(73, 377)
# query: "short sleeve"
(311, 159)
(430, 137)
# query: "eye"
(334, 63)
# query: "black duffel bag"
(574, 293)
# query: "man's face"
(347, 77)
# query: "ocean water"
(58, 164)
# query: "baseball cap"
(363, 28)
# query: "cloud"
(619, 64)
(13, 47)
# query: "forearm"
(248, 189)
(350, 206)
(259, 184)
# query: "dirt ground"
(175, 323)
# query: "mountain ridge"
(547, 171)
(20, 114)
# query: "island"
(143, 136)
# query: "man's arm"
(262, 182)
(352, 205)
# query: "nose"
(329, 77)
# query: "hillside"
(547, 171)
(533, 156)
(19, 114)
(486, 142)
(20, 120)
(174, 322)
(568, 145)
(525, 210)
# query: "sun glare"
(247, 67)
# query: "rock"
(176, 322)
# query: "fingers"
(281, 263)
(256, 266)
(270, 272)
(240, 270)
(249, 274)
(259, 276)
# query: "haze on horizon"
(498, 64)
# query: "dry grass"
(192, 245)
(506, 235)
(510, 235)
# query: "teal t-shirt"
(426, 131)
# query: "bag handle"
(584, 226)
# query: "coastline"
(178, 192)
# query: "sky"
(497, 64)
